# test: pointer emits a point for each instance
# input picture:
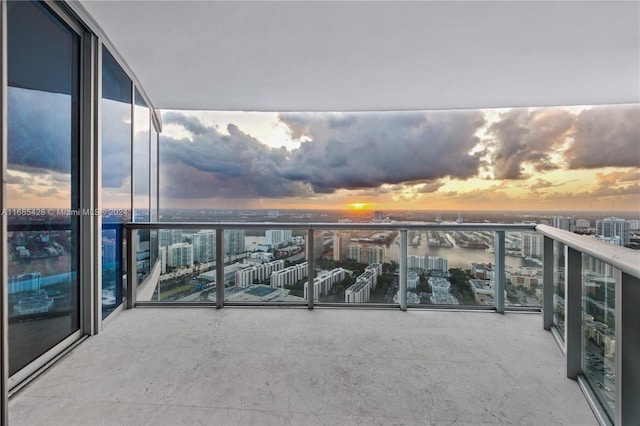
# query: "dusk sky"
(562, 159)
(573, 158)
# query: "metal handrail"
(329, 226)
(625, 259)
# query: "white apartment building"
(360, 291)
(436, 263)
(532, 245)
(416, 262)
(180, 254)
(166, 237)
(323, 283)
(614, 230)
(289, 276)
(365, 253)
(204, 246)
(260, 272)
(562, 222)
(277, 237)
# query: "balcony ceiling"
(340, 56)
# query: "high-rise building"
(460, 218)
(365, 253)
(532, 245)
(318, 244)
(166, 237)
(378, 216)
(634, 224)
(277, 237)
(180, 254)
(234, 241)
(436, 263)
(204, 246)
(415, 262)
(614, 230)
(340, 246)
(562, 222)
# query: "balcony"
(393, 363)
(294, 366)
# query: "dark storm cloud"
(191, 124)
(606, 136)
(228, 166)
(348, 151)
(527, 136)
(39, 130)
(366, 150)
(116, 145)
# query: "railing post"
(500, 272)
(547, 283)
(573, 311)
(132, 267)
(311, 269)
(219, 268)
(627, 347)
(403, 269)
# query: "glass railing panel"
(356, 266)
(558, 286)
(598, 328)
(523, 269)
(265, 266)
(187, 269)
(453, 267)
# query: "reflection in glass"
(153, 197)
(42, 196)
(558, 286)
(141, 182)
(598, 327)
(116, 178)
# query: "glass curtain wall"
(117, 95)
(141, 182)
(42, 181)
(153, 196)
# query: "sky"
(560, 158)
(521, 159)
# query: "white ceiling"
(340, 56)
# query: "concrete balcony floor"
(250, 366)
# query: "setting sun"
(358, 206)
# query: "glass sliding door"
(42, 181)
(141, 182)
(117, 108)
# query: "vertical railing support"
(547, 283)
(500, 277)
(132, 267)
(403, 269)
(627, 347)
(219, 268)
(573, 311)
(311, 269)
